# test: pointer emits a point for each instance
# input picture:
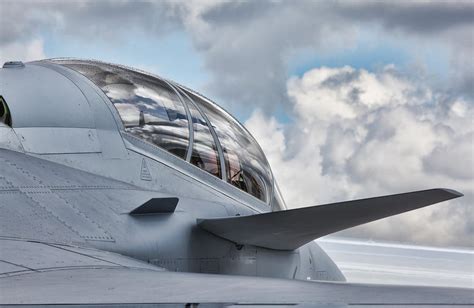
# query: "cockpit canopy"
(183, 123)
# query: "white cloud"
(356, 133)
(22, 51)
(246, 45)
(455, 159)
(359, 134)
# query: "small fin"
(156, 206)
(290, 229)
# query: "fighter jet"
(122, 188)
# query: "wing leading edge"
(290, 229)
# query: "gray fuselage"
(61, 120)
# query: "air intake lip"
(5, 116)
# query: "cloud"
(246, 46)
(93, 21)
(352, 133)
(423, 17)
(360, 134)
(454, 159)
(22, 51)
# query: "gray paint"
(58, 140)
(69, 177)
(127, 281)
(106, 118)
(288, 230)
(39, 97)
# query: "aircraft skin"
(94, 213)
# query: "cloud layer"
(361, 134)
(352, 132)
(246, 45)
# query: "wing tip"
(451, 192)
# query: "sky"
(348, 99)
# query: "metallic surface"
(291, 229)
(117, 279)
(69, 177)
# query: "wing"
(42, 273)
(290, 229)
